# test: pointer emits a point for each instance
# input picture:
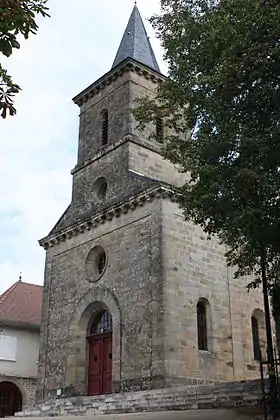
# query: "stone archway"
(10, 399)
(91, 304)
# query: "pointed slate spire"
(135, 43)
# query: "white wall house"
(20, 318)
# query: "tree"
(221, 104)
(17, 17)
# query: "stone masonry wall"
(140, 87)
(243, 305)
(27, 387)
(151, 164)
(195, 268)
(121, 185)
(115, 98)
(118, 98)
(113, 165)
(30, 387)
(132, 277)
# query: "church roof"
(135, 43)
(21, 304)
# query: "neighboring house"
(20, 318)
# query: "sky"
(38, 146)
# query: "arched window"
(201, 313)
(159, 129)
(256, 338)
(258, 334)
(102, 323)
(104, 115)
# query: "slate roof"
(22, 303)
(135, 43)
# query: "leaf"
(6, 47)
(4, 110)
(15, 44)
(18, 17)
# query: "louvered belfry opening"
(105, 121)
(159, 129)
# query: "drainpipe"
(230, 320)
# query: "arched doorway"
(100, 354)
(10, 399)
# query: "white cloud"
(38, 147)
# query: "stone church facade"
(135, 297)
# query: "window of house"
(8, 347)
(160, 130)
(201, 312)
(105, 120)
(255, 338)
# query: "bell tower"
(103, 256)
(109, 143)
(105, 105)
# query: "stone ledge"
(127, 138)
(108, 214)
(110, 77)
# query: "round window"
(100, 187)
(101, 262)
(96, 263)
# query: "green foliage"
(17, 17)
(221, 101)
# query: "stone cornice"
(108, 214)
(128, 65)
(128, 138)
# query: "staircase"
(245, 394)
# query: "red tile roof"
(22, 303)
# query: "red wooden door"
(100, 364)
(10, 399)
(107, 365)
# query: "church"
(135, 297)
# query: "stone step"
(227, 395)
(220, 414)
